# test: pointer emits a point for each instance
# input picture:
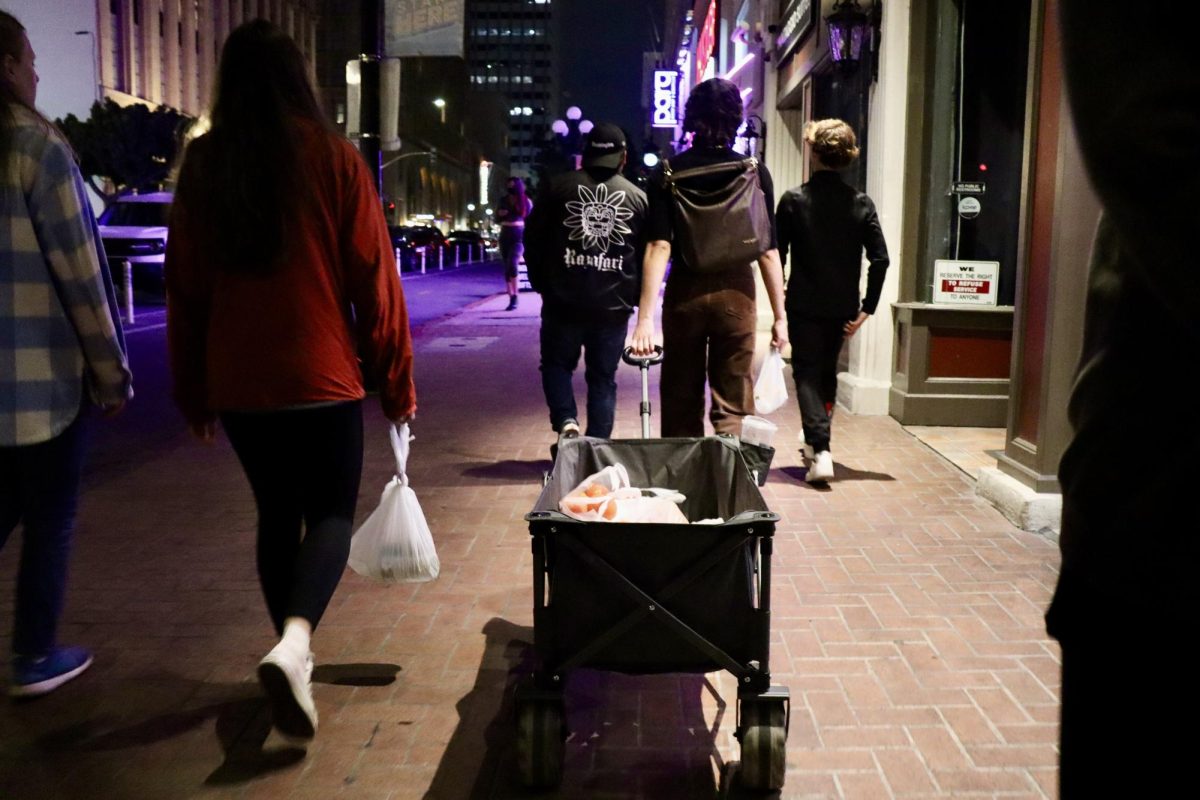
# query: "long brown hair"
(12, 43)
(244, 178)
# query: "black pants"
(601, 344)
(816, 345)
(1130, 715)
(39, 489)
(304, 466)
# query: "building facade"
(969, 155)
(511, 48)
(165, 52)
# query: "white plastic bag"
(770, 389)
(607, 497)
(394, 544)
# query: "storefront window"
(977, 137)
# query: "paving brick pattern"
(907, 623)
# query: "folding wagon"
(654, 598)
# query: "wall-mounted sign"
(423, 28)
(707, 41)
(965, 283)
(666, 99)
(969, 187)
(969, 207)
(797, 19)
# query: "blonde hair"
(833, 141)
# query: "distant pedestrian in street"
(826, 225)
(278, 265)
(584, 248)
(514, 208)
(60, 346)
(1128, 595)
(708, 318)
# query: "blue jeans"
(602, 344)
(39, 489)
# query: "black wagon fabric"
(720, 604)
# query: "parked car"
(415, 237)
(134, 229)
(464, 237)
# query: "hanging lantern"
(848, 25)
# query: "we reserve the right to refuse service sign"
(965, 283)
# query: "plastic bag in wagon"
(607, 497)
(394, 544)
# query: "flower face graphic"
(597, 218)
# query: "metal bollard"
(128, 276)
(422, 260)
(441, 258)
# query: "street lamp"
(848, 26)
(571, 131)
(390, 161)
(441, 106)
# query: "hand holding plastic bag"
(394, 544)
(770, 389)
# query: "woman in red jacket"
(279, 271)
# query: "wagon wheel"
(541, 743)
(764, 745)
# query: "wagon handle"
(642, 361)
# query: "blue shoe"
(36, 676)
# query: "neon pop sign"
(666, 99)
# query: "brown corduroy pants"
(708, 333)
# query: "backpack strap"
(742, 165)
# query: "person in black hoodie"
(826, 224)
(584, 244)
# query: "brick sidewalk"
(907, 623)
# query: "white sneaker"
(286, 677)
(820, 468)
(807, 449)
(569, 430)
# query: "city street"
(907, 615)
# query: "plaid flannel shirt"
(59, 328)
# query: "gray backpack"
(724, 228)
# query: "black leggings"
(304, 466)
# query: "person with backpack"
(826, 225)
(708, 309)
(583, 246)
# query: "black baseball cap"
(604, 146)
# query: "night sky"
(601, 53)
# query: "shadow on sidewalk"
(242, 721)
(630, 737)
(240, 712)
(841, 474)
(509, 471)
